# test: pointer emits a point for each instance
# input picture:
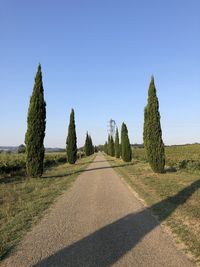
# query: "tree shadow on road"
(96, 161)
(107, 245)
(87, 170)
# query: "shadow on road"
(87, 170)
(96, 161)
(107, 245)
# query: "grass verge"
(23, 201)
(173, 198)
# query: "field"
(172, 197)
(24, 200)
(185, 157)
(15, 163)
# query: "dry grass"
(24, 200)
(173, 197)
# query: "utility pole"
(111, 127)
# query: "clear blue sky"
(98, 57)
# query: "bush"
(21, 149)
(189, 165)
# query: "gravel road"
(97, 222)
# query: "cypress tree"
(91, 145)
(152, 133)
(87, 145)
(105, 148)
(126, 151)
(36, 124)
(89, 148)
(109, 151)
(145, 128)
(111, 146)
(71, 142)
(117, 148)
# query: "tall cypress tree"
(111, 146)
(145, 128)
(152, 133)
(109, 152)
(71, 140)
(91, 147)
(126, 151)
(105, 148)
(117, 148)
(87, 145)
(36, 124)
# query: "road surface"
(98, 222)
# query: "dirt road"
(98, 222)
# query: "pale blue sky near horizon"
(98, 57)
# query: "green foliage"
(117, 146)
(36, 124)
(120, 149)
(100, 148)
(178, 157)
(87, 145)
(12, 164)
(53, 159)
(91, 145)
(152, 133)
(111, 146)
(71, 140)
(126, 151)
(145, 130)
(105, 148)
(89, 148)
(21, 149)
(96, 149)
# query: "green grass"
(173, 197)
(23, 201)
